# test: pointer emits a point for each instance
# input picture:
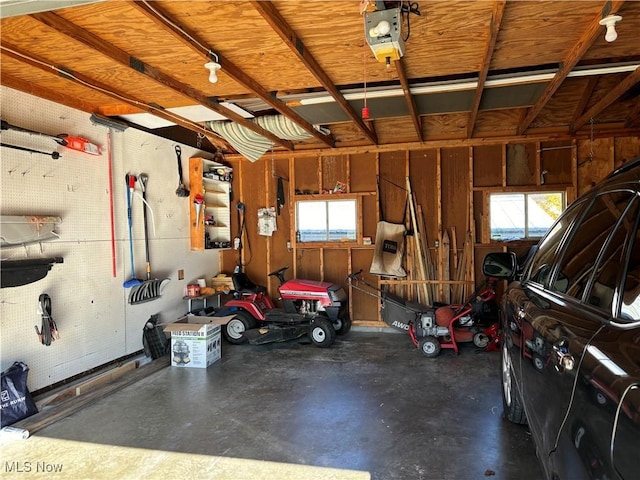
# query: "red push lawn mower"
(440, 326)
(317, 309)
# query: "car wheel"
(430, 346)
(322, 333)
(234, 329)
(342, 325)
(511, 401)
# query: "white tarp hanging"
(252, 145)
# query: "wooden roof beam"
(191, 39)
(494, 25)
(584, 98)
(614, 94)
(61, 71)
(571, 59)
(409, 98)
(270, 13)
(114, 53)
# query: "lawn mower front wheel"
(342, 325)
(235, 328)
(322, 333)
(430, 346)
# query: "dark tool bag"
(16, 402)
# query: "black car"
(570, 320)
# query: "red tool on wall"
(74, 143)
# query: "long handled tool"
(150, 289)
(75, 143)
(181, 191)
(131, 182)
(54, 155)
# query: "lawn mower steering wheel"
(277, 273)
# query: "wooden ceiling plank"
(613, 95)
(42, 92)
(270, 13)
(633, 116)
(494, 25)
(584, 98)
(192, 39)
(409, 98)
(111, 51)
(571, 59)
(61, 71)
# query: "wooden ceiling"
(117, 58)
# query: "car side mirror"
(501, 265)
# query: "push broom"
(131, 183)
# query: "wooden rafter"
(270, 13)
(572, 58)
(584, 98)
(632, 117)
(409, 98)
(191, 39)
(46, 66)
(111, 51)
(496, 20)
(613, 95)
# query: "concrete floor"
(371, 403)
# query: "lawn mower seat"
(244, 286)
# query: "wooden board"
(363, 168)
(521, 164)
(487, 166)
(445, 276)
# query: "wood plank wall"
(451, 186)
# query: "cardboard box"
(196, 341)
(222, 284)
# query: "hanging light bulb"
(610, 22)
(213, 67)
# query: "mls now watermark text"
(27, 467)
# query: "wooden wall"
(451, 187)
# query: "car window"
(630, 304)
(598, 227)
(542, 261)
(609, 270)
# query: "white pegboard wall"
(90, 305)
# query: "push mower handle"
(354, 276)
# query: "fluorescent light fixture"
(456, 86)
(195, 113)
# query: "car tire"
(234, 329)
(511, 401)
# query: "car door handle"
(564, 360)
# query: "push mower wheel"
(322, 333)
(342, 325)
(430, 346)
(481, 340)
(234, 330)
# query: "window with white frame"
(523, 215)
(326, 220)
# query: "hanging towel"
(280, 197)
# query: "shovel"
(150, 289)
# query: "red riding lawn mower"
(440, 326)
(317, 309)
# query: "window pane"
(326, 220)
(609, 269)
(507, 216)
(544, 257)
(542, 210)
(631, 294)
(579, 258)
(312, 221)
(341, 220)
